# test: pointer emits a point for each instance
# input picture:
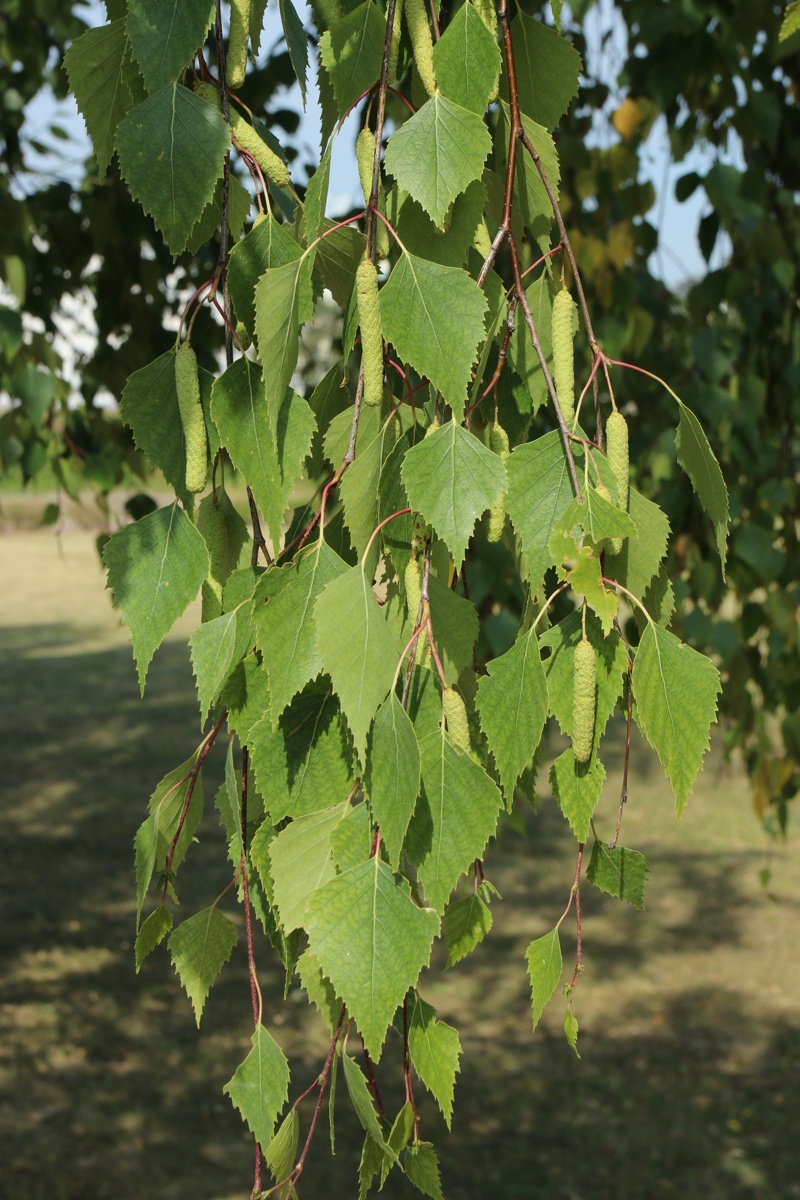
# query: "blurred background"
(681, 160)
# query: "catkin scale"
(369, 318)
(236, 62)
(583, 700)
(564, 353)
(455, 712)
(419, 31)
(187, 384)
(498, 444)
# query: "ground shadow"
(107, 1090)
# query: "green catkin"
(455, 712)
(243, 334)
(187, 383)
(419, 31)
(369, 318)
(211, 523)
(498, 444)
(365, 157)
(394, 50)
(564, 353)
(583, 700)
(618, 457)
(413, 582)
(236, 62)
(248, 138)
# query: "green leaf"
(282, 1150)
(571, 1030)
(466, 61)
(228, 803)
(285, 629)
(96, 64)
(199, 949)
(539, 492)
(455, 628)
(598, 517)
(466, 923)
(304, 765)
(635, 566)
(319, 990)
(360, 484)
(296, 44)
(152, 933)
(676, 693)
(422, 1169)
(433, 315)
(555, 8)
(365, 1109)
(399, 1135)
(362, 663)
(512, 703)
(260, 1086)
(239, 204)
(544, 970)
(393, 775)
(301, 862)
(531, 202)
(698, 461)
(165, 35)
(155, 836)
(268, 452)
(155, 569)
(577, 787)
(791, 21)
(372, 942)
(246, 696)
(420, 236)
(283, 303)
(171, 153)
(451, 478)
(547, 70)
(438, 153)
(580, 567)
(454, 818)
(266, 246)
(150, 407)
(612, 662)
(352, 51)
(212, 646)
(619, 872)
(352, 839)
(435, 1050)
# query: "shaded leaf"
(451, 478)
(393, 775)
(465, 924)
(301, 862)
(676, 693)
(512, 703)
(199, 948)
(435, 1050)
(155, 569)
(619, 872)
(152, 933)
(165, 35)
(433, 315)
(260, 1086)
(171, 153)
(544, 970)
(352, 51)
(466, 61)
(698, 461)
(371, 941)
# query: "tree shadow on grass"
(107, 1090)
